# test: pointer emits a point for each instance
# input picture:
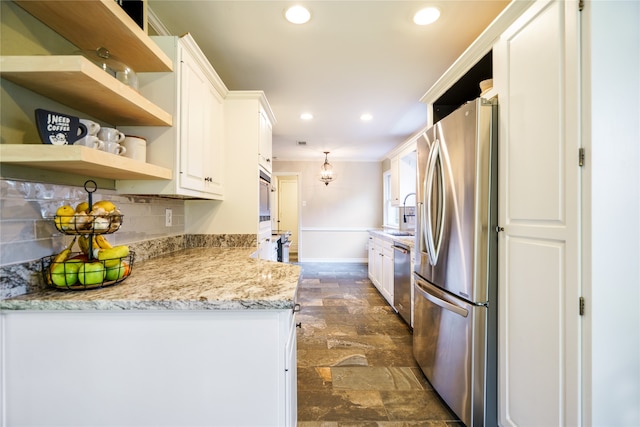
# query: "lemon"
(64, 215)
(104, 204)
(82, 207)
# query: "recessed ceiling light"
(366, 117)
(297, 14)
(306, 116)
(426, 16)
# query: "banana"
(60, 258)
(115, 252)
(102, 242)
(83, 242)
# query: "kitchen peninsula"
(188, 339)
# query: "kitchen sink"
(400, 233)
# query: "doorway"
(287, 215)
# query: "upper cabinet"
(194, 147)
(403, 176)
(265, 144)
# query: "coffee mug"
(136, 147)
(90, 141)
(91, 127)
(110, 135)
(114, 148)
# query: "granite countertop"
(190, 279)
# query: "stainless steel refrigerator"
(455, 318)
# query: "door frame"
(298, 175)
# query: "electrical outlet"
(168, 217)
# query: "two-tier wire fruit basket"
(98, 264)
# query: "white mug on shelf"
(136, 147)
(114, 148)
(111, 135)
(90, 141)
(92, 127)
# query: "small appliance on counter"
(284, 245)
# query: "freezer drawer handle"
(444, 304)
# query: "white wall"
(612, 213)
(334, 218)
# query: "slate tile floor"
(355, 361)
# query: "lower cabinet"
(387, 271)
(143, 368)
(381, 266)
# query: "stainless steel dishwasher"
(402, 281)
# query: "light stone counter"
(410, 241)
(191, 279)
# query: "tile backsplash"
(27, 232)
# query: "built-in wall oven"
(265, 196)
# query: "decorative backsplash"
(27, 233)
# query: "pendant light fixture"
(326, 171)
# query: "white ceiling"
(352, 57)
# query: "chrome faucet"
(404, 207)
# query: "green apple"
(91, 273)
(115, 272)
(65, 273)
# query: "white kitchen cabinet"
(403, 175)
(267, 248)
(194, 147)
(387, 271)
(142, 368)
(536, 74)
(381, 266)
(265, 144)
(250, 122)
(375, 262)
(395, 180)
(371, 258)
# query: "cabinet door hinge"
(580, 156)
(580, 5)
(581, 306)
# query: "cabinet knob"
(299, 325)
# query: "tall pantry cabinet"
(248, 120)
(194, 147)
(536, 77)
(569, 209)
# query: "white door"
(288, 208)
(536, 75)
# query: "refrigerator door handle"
(439, 302)
(433, 247)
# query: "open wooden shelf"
(101, 23)
(80, 160)
(75, 81)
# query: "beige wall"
(334, 219)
